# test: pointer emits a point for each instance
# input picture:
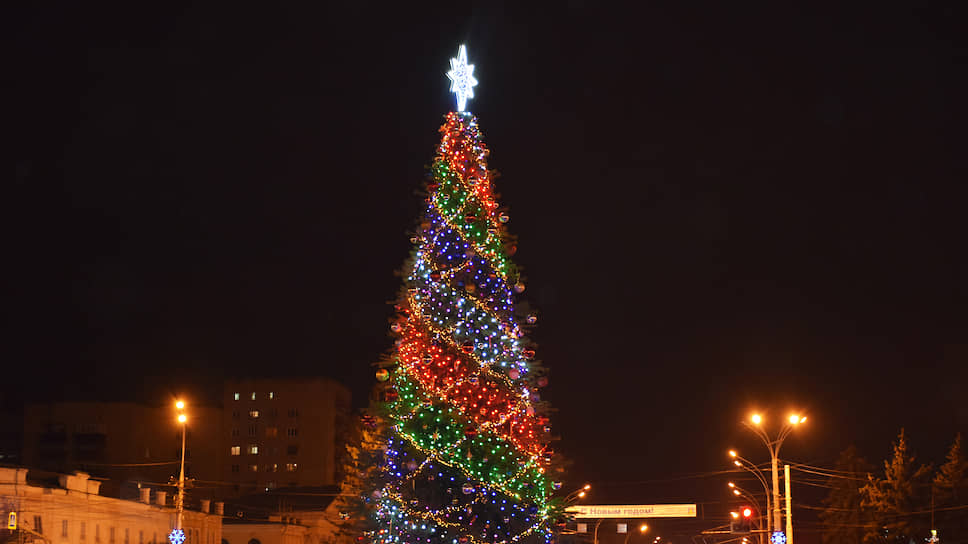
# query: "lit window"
(290, 467)
(235, 396)
(253, 449)
(236, 450)
(253, 414)
(271, 395)
(254, 468)
(271, 432)
(274, 467)
(253, 395)
(292, 431)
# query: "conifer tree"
(467, 459)
(950, 501)
(897, 499)
(358, 471)
(843, 519)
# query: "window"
(235, 396)
(253, 449)
(235, 432)
(270, 484)
(290, 467)
(272, 395)
(271, 432)
(235, 414)
(235, 468)
(253, 395)
(97, 533)
(83, 530)
(254, 468)
(141, 537)
(274, 467)
(126, 535)
(236, 450)
(293, 449)
(254, 414)
(293, 412)
(64, 528)
(111, 535)
(253, 430)
(39, 524)
(292, 431)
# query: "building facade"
(69, 510)
(282, 433)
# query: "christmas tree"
(467, 457)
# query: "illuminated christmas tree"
(467, 458)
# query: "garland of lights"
(466, 453)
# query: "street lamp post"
(642, 530)
(180, 499)
(571, 498)
(755, 423)
(740, 492)
(746, 465)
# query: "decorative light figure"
(176, 536)
(461, 77)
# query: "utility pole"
(789, 503)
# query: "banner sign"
(585, 511)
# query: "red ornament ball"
(382, 375)
(519, 287)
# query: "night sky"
(718, 209)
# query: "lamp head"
(756, 419)
(732, 453)
(182, 418)
(180, 404)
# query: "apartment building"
(282, 433)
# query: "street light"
(748, 466)
(178, 533)
(756, 421)
(740, 492)
(643, 528)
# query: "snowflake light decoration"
(461, 77)
(176, 536)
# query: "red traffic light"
(747, 511)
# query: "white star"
(461, 77)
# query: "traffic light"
(742, 521)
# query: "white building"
(72, 512)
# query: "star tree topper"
(461, 77)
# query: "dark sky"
(718, 208)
